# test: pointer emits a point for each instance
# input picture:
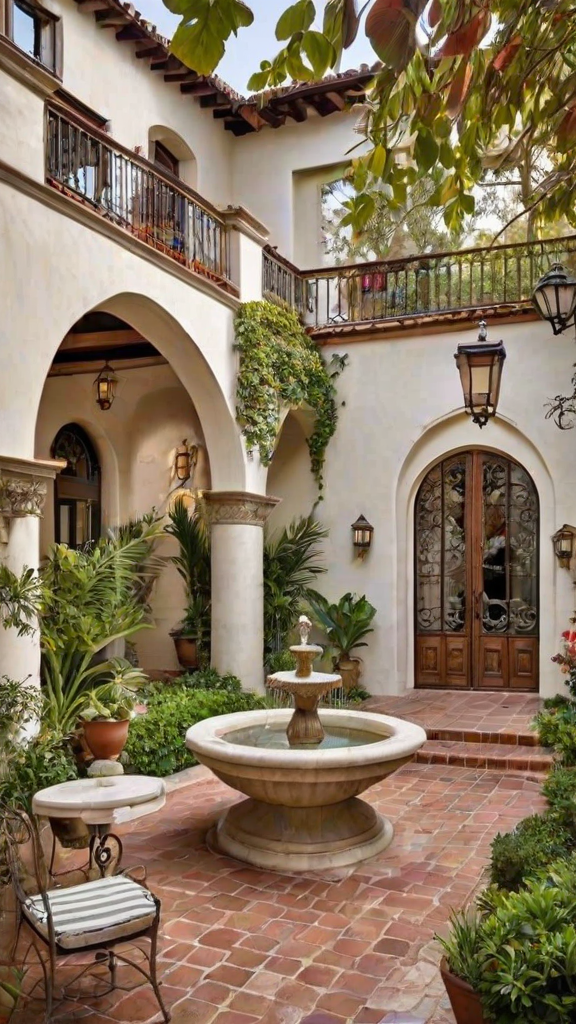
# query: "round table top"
(96, 798)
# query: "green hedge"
(156, 741)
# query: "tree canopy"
(464, 87)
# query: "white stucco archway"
(451, 434)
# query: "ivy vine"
(281, 365)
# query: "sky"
(243, 55)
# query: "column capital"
(23, 488)
(238, 508)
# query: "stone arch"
(157, 325)
(448, 436)
(188, 169)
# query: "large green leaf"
(319, 51)
(296, 18)
(199, 40)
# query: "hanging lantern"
(555, 298)
(185, 460)
(105, 385)
(362, 532)
(564, 546)
(480, 367)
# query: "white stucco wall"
(402, 413)
(267, 179)
(136, 441)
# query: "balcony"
(435, 286)
(135, 195)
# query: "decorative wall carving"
(23, 489)
(238, 508)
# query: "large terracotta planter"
(349, 669)
(106, 737)
(465, 1002)
(186, 651)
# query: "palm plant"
(290, 568)
(193, 565)
(345, 623)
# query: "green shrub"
(557, 728)
(209, 679)
(530, 847)
(559, 789)
(156, 741)
(45, 761)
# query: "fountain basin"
(303, 811)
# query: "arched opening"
(476, 602)
(169, 151)
(77, 492)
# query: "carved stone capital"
(23, 488)
(238, 508)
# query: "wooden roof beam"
(93, 5)
(296, 109)
(111, 18)
(152, 49)
(183, 75)
(198, 88)
(130, 33)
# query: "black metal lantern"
(555, 298)
(362, 532)
(480, 367)
(185, 460)
(105, 385)
(564, 546)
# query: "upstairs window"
(35, 31)
(164, 158)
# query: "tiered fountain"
(302, 773)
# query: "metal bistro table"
(102, 803)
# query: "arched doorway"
(476, 574)
(77, 518)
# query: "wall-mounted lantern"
(105, 385)
(362, 532)
(564, 545)
(554, 298)
(480, 367)
(185, 460)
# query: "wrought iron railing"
(471, 279)
(133, 194)
(280, 279)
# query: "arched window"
(77, 490)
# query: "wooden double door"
(476, 601)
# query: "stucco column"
(23, 488)
(237, 519)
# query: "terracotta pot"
(186, 651)
(71, 833)
(106, 737)
(465, 1002)
(349, 669)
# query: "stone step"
(500, 756)
(522, 739)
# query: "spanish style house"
(140, 204)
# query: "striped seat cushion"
(99, 911)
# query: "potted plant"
(460, 967)
(345, 625)
(192, 636)
(106, 718)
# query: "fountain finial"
(304, 627)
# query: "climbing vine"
(280, 365)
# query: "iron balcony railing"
(281, 279)
(135, 195)
(414, 286)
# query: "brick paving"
(461, 715)
(241, 946)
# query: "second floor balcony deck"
(134, 194)
(433, 286)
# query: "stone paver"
(460, 715)
(241, 945)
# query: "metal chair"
(91, 917)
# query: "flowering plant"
(566, 658)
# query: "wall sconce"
(480, 366)
(362, 532)
(564, 545)
(185, 460)
(105, 385)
